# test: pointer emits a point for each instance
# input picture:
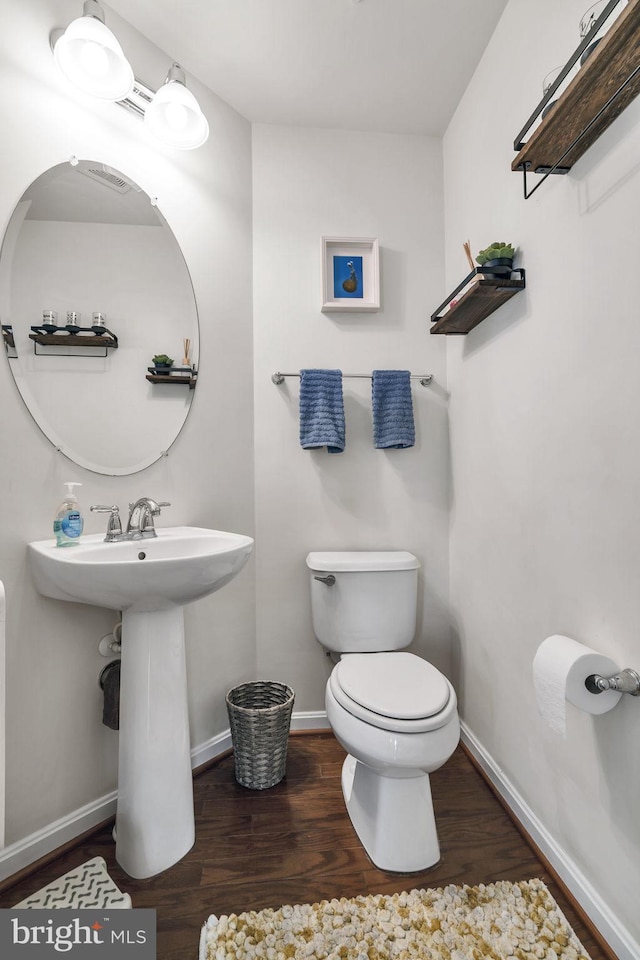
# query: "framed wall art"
(350, 274)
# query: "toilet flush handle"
(329, 579)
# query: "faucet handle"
(148, 512)
(154, 512)
(114, 526)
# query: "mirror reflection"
(93, 287)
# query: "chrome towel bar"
(425, 379)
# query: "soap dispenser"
(68, 523)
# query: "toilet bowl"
(385, 777)
(393, 712)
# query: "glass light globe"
(174, 115)
(92, 59)
(95, 59)
(177, 116)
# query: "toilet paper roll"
(560, 667)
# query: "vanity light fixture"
(174, 114)
(90, 57)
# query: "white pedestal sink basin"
(149, 580)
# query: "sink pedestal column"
(155, 820)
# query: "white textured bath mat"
(88, 885)
(500, 919)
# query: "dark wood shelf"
(63, 338)
(476, 304)
(166, 378)
(589, 104)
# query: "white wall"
(544, 408)
(308, 184)
(59, 755)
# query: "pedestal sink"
(149, 580)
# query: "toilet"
(393, 712)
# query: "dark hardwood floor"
(294, 844)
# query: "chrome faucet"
(141, 513)
(140, 523)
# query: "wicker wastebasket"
(259, 717)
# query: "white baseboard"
(23, 853)
(211, 749)
(302, 720)
(615, 934)
(310, 720)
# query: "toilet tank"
(371, 605)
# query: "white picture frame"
(350, 274)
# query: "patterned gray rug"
(519, 921)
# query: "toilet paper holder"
(627, 681)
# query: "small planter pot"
(501, 267)
(162, 368)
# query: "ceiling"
(395, 66)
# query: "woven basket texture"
(260, 717)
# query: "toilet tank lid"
(356, 561)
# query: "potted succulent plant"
(497, 259)
(162, 363)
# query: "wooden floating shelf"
(583, 110)
(73, 340)
(476, 304)
(165, 378)
(107, 340)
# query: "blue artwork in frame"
(350, 274)
(347, 278)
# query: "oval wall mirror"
(93, 285)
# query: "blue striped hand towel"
(321, 410)
(392, 404)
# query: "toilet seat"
(398, 692)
